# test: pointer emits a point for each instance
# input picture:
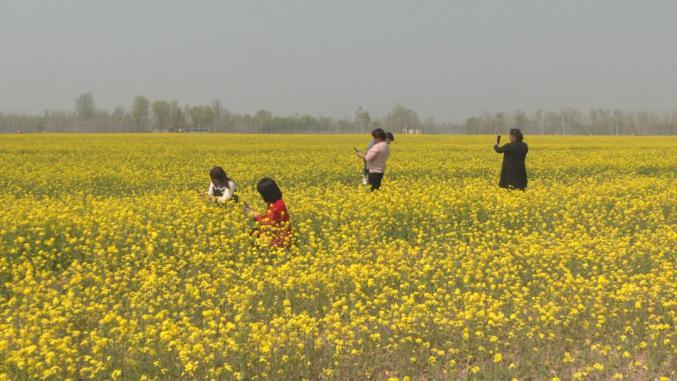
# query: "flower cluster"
(113, 267)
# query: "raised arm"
(371, 154)
(506, 148)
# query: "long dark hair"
(269, 190)
(517, 134)
(218, 174)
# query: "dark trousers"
(375, 180)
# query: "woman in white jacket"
(222, 188)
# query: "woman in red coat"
(274, 223)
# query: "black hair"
(217, 173)
(517, 134)
(379, 133)
(390, 136)
(269, 190)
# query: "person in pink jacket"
(376, 158)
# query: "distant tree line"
(569, 121)
(145, 115)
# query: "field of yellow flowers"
(113, 268)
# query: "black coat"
(513, 171)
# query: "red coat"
(275, 223)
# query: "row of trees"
(569, 121)
(145, 115)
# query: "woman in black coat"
(513, 171)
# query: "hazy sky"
(445, 59)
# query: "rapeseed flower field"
(113, 268)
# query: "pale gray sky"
(446, 59)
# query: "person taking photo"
(513, 169)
